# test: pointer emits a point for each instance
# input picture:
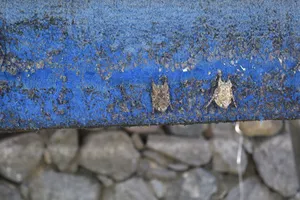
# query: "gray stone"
(225, 156)
(157, 157)
(195, 130)
(107, 182)
(137, 141)
(275, 163)
(63, 147)
(50, 185)
(253, 189)
(178, 167)
(296, 197)
(9, 192)
(191, 151)
(225, 182)
(20, 155)
(95, 130)
(111, 153)
(261, 128)
(132, 189)
(159, 188)
(145, 129)
(46, 134)
(248, 144)
(193, 185)
(151, 170)
(224, 130)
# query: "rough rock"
(296, 197)
(248, 144)
(151, 170)
(46, 134)
(275, 163)
(178, 167)
(132, 189)
(223, 130)
(50, 185)
(159, 188)
(62, 147)
(191, 151)
(225, 182)
(20, 155)
(105, 180)
(157, 157)
(193, 185)
(137, 141)
(195, 130)
(225, 156)
(95, 130)
(9, 192)
(110, 153)
(145, 129)
(261, 128)
(253, 189)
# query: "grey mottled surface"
(253, 190)
(192, 151)
(275, 164)
(19, 155)
(50, 185)
(111, 153)
(193, 185)
(225, 156)
(63, 147)
(9, 191)
(132, 189)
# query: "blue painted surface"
(91, 63)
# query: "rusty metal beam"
(91, 63)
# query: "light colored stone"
(225, 156)
(111, 153)
(194, 130)
(253, 189)
(94, 130)
(178, 167)
(159, 188)
(193, 185)
(50, 185)
(191, 151)
(63, 147)
(225, 182)
(137, 141)
(9, 192)
(45, 134)
(132, 189)
(248, 144)
(20, 155)
(145, 129)
(151, 170)
(261, 128)
(275, 163)
(107, 182)
(223, 130)
(296, 197)
(157, 157)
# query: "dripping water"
(239, 160)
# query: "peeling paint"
(93, 64)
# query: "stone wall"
(194, 162)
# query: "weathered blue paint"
(90, 63)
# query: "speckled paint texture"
(91, 63)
